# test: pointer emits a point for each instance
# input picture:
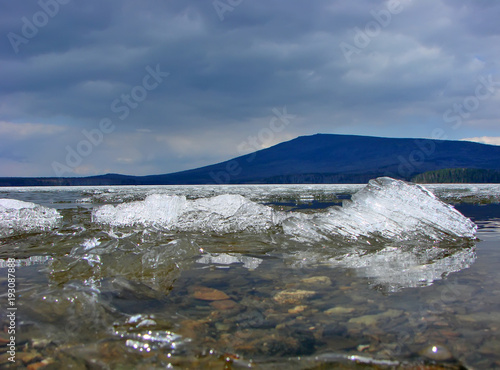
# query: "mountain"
(320, 158)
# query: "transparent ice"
(18, 217)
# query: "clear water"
(98, 295)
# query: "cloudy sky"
(157, 86)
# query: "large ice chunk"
(386, 209)
(223, 213)
(18, 217)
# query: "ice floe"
(17, 216)
(223, 214)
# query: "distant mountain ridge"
(320, 158)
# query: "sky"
(157, 86)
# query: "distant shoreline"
(444, 176)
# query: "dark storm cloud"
(226, 76)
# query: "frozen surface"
(386, 209)
(18, 217)
(86, 196)
(466, 193)
(15, 204)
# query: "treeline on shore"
(458, 175)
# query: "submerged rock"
(370, 320)
(209, 294)
(297, 309)
(437, 353)
(41, 364)
(293, 296)
(339, 310)
(317, 280)
(273, 343)
(223, 305)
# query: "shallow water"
(95, 295)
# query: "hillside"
(321, 158)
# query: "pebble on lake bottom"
(40, 365)
(339, 310)
(370, 320)
(223, 305)
(317, 280)
(297, 309)
(293, 296)
(437, 353)
(209, 294)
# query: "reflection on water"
(103, 297)
(394, 268)
(225, 259)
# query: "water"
(271, 280)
